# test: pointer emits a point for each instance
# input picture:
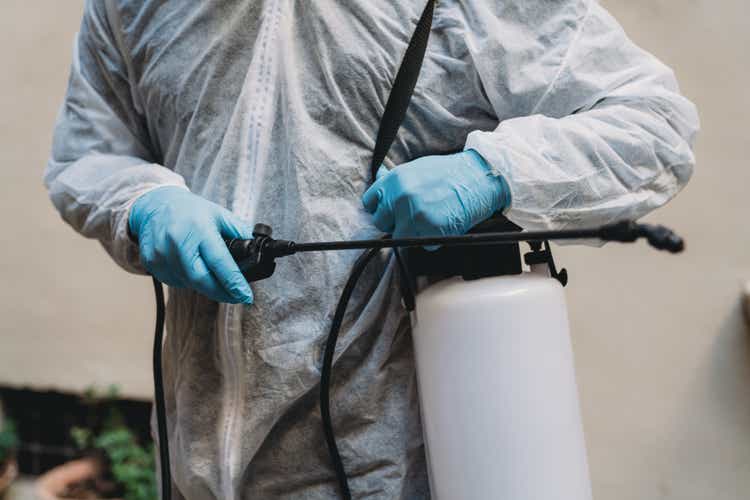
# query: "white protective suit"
(271, 108)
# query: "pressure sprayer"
(495, 368)
(495, 371)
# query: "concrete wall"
(663, 356)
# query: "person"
(185, 125)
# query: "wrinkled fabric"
(271, 109)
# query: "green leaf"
(133, 466)
(81, 437)
(8, 439)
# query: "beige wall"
(68, 316)
(663, 357)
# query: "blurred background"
(662, 349)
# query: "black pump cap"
(262, 230)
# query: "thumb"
(382, 172)
(372, 196)
(231, 226)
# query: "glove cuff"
(503, 191)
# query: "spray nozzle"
(659, 237)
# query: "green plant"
(8, 440)
(131, 465)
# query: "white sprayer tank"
(498, 392)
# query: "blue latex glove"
(436, 195)
(181, 241)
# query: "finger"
(402, 230)
(225, 270)
(413, 230)
(384, 218)
(382, 172)
(372, 196)
(203, 281)
(230, 226)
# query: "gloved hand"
(181, 241)
(436, 195)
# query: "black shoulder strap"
(403, 87)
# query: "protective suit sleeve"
(102, 159)
(606, 134)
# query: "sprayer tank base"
(497, 388)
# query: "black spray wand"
(256, 257)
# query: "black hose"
(325, 374)
(161, 414)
